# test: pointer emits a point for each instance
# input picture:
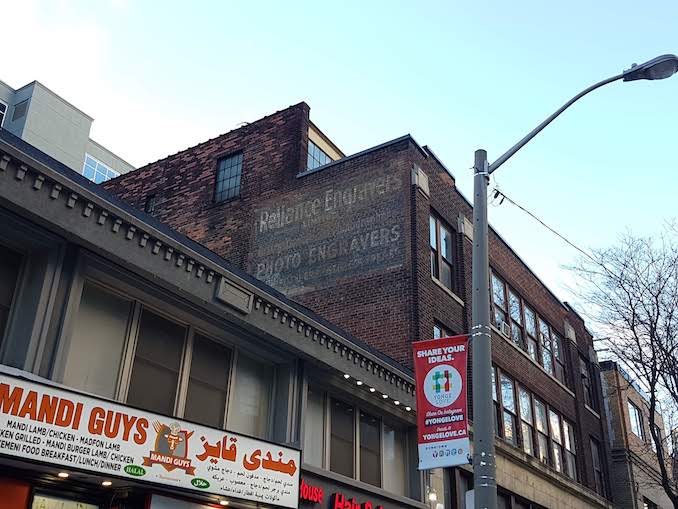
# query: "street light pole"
(484, 466)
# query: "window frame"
(96, 169)
(440, 330)
(332, 394)
(4, 113)
(311, 157)
(111, 278)
(438, 222)
(540, 343)
(634, 410)
(222, 196)
(597, 467)
(519, 421)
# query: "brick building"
(379, 242)
(634, 474)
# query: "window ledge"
(363, 486)
(526, 355)
(448, 291)
(592, 411)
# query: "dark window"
(597, 468)
(649, 504)
(149, 204)
(440, 331)
(208, 383)
(342, 438)
(10, 264)
(316, 157)
(3, 112)
(442, 249)
(155, 374)
(229, 171)
(370, 449)
(586, 380)
(20, 110)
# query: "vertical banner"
(442, 423)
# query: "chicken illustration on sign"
(253, 462)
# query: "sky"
(159, 77)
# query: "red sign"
(339, 501)
(442, 421)
(311, 493)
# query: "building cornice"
(83, 213)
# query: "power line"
(498, 193)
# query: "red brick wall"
(387, 302)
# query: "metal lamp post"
(484, 468)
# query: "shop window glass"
(395, 475)
(314, 428)
(50, 502)
(435, 491)
(370, 449)
(251, 398)
(95, 348)
(157, 360)
(208, 383)
(342, 440)
(10, 263)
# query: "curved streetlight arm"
(515, 148)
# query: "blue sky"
(456, 75)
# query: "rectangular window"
(499, 300)
(99, 335)
(441, 242)
(208, 383)
(531, 333)
(342, 440)
(516, 315)
(370, 449)
(546, 353)
(157, 360)
(570, 450)
(10, 265)
(97, 171)
(20, 110)
(585, 371)
(149, 204)
(229, 172)
(558, 356)
(556, 441)
(3, 112)
(527, 421)
(509, 407)
(381, 455)
(395, 459)
(541, 423)
(316, 157)
(597, 468)
(314, 428)
(440, 331)
(251, 396)
(636, 417)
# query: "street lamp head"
(658, 68)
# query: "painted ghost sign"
(307, 240)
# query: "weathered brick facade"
(350, 240)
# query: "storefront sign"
(311, 493)
(59, 427)
(339, 501)
(440, 371)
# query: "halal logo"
(442, 385)
(171, 448)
